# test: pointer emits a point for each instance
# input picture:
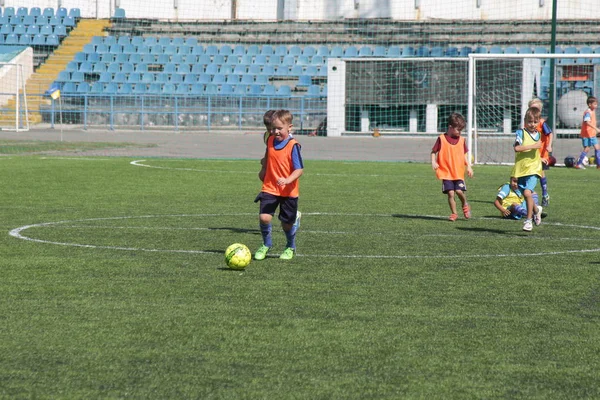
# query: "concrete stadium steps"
(370, 31)
(42, 78)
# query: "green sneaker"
(261, 253)
(287, 254)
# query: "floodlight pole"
(552, 86)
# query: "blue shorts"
(457, 185)
(288, 206)
(589, 141)
(528, 182)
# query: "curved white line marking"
(17, 233)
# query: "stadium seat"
(225, 50)
(83, 87)
(6, 29)
(182, 88)
(254, 89)
(394, 51)
(69, 88)
(295, 51)
(525, 50)
(218, 78)
(451, 52)
(120, 77)
(267, 50)
(212, 69)
(97, 88)
(197, 89)
(75, 13)
(511, 50)
(60, 30)
(465, 51)
(154, 88)
(226, 89)
(35, 11)
(365, 51)
(379, 51)
(260, 59)
(252, 50)
(309, 51)
(168, 88)
(304, 81)
(134, 77)
(139, 88)
(119, 13)
(22, 11)
(408, 51)
(313, 91)
(239, 50)
(191, 41)
(281, 51)
(422, 51)
(61, 12)
(105, 77)
(48, 12)
(190, 79)
(178, 41)
(495, 50)
(436, 51)
(211, 89)
(9, 11)
(19, 29)
(211, 50)
(126, 88)
(284, 90)
(176, 78)
(296, 70)
(269, 90)
(351, 51)
(148, 77)
(204, 78)
(63, 76)
(39, 40)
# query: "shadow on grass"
(235, 230)
(487, 230)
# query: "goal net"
(13, 98)
(501, 86)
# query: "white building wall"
(405, 10)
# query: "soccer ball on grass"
(238, 256)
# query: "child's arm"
(498, 203)
(521, 147)
(468, 164)
(434, 163)
(297, 173)
(592, 126)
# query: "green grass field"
(114, 285)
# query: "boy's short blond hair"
(532, 114)
(535, 102)
(284, 116)
(268, 117)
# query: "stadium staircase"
(42, 78)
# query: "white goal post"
(501, 86)
(14, 113)
(413, 96)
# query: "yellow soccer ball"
(238, 256)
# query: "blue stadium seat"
(148, 77)
(436, 51)
(269, 90)
(126, 88)
(162, 77)
(511, 50)
(6, 29)
(83, 88)
(48, 12)
(422, 51)
(211, 89)
(182, 88)
(255, 69)
(190, 79)
(225, 50)
(284, 90)
(525, 50)
(164, 41)
(233, 60)
(281, 51)
(176, 78)
(304, 81)
(9, 11)
(154, 88)
(211, 50)
(19, 29)
(232, 79)
(226, 69)
(336, 52)
(150, 41)
(40, 21)
(260, 59)
(105, 77)
(380, 51)
(302, 60)
(60, 30)
(178, 41)
(61, 12)
(351, 51)
(294, 51)
(268, 70)
(212, 69)
(495, 50)
(35, 11)
(170, 49)
(282, 71)
(63, 76)
(540, 50)
(218, 78)
(53, 21)
(40, 40)
(120, 77)
(134, 77)
(69, 88)
(318, 60)
(451, 52)
(239, 50)
(261, 79)
(105, 58)
(139, 88)
(168, 88)
(98, 67)
(313, 91)
(119, 13)
(465, 51)
(191, 41)
(28, 20)
(252, 50)
(309, 51)
(267, 50)
(296, 70)
(97, 88)
(288, 60)
(254, 89)
(77, 76)
(85, 67)
(75, 13)
(22, 11)
(365, 51)
(197, 68)
(184, 49)
(197, 89)
(226, 89)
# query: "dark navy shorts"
(458, 185)
(288, 206)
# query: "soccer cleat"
(287, 254)
(527, 225)
(537, 218)
(453, 217)
(467, 211)
(297, 222)
(546, 200)
(261, 253)
(579, 166)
